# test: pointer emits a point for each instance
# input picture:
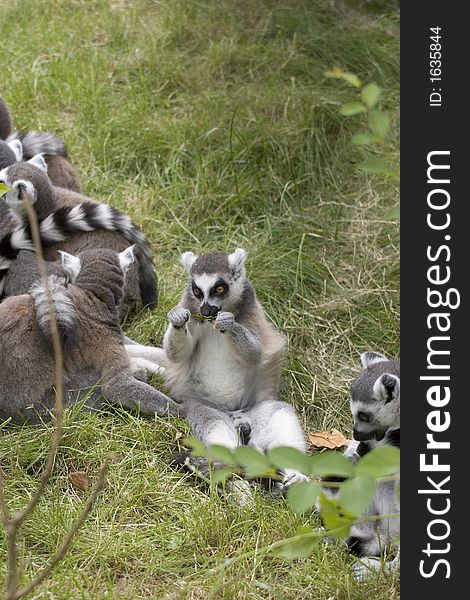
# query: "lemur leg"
(213, 426)
(143, 369)
(120, 387)
(150, 353)
(275, 423)
(245, 343)
(177, 342)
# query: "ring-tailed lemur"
(226, 372)
(31, 143)
(62, 213)
(86, 313)
(375, 406)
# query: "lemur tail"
(90, 216)
(37, 142)
(10, 244)
(63, 308)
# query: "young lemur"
(60, 170)
(226, 372)
(63, 212)
(86, 313)
(375, 406)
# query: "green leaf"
(352, 79)
(4, 189)
(356, 494)
(380, 462)
(335, 516)
(362, 139)
(197, 447)
(223, 454)
(220, 475)
(254, 462)
(370, 94)
(379, 123)
(290, 458)
(331, 463)
(376, 166)
(337, 73)
(393, 214)
(352, 108)
(299, 546)
(301, 496)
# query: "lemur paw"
(293, 478)
(365, 568)
(224, 321)
(178, 316)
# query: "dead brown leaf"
(80, 480)
(328, 439)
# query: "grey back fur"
(6, 123)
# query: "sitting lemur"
(226, 372)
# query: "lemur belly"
(217, 375)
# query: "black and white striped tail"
(10, 244)
(63, 308)
(90, 216)
(38, 142)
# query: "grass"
(211, 124)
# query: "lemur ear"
(17, 148)
(188, 259)
(38, 162)
(237, 262)
(387, 388)
(71, 265)
(371, 358)
(126, 258)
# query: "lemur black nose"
(361, 436)
(209, 310)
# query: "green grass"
(211, 124)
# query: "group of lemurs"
(221, 357)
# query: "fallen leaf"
(80, 480)
(328, 439)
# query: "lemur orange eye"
(220, 289)
(197, 292)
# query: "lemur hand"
(224, 321)
(178, 316)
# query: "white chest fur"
(217, 373)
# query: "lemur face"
(210, 290)
(375, 397)
(216, 280)
(24, 179)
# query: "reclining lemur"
(226, 371)
(63, 213)
(29, 143)
(18, 265)
(90, 334)
(375, 406)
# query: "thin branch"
(62, 550)
(20, 516)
